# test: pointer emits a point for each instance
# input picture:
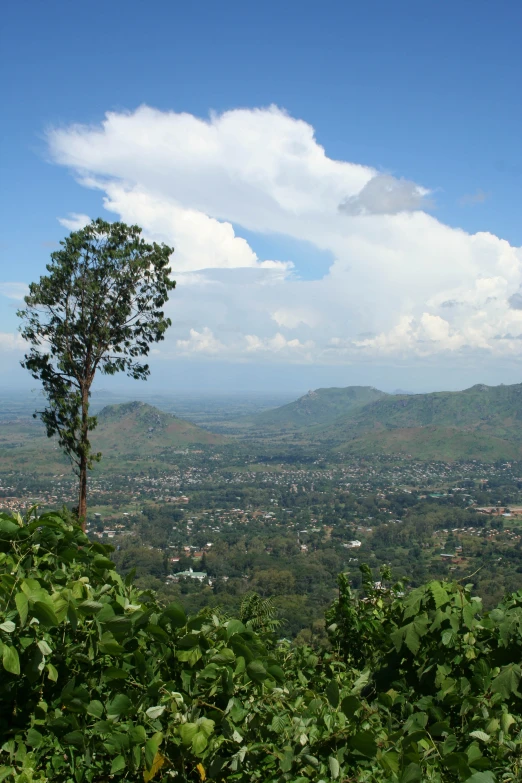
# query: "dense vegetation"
(145, 429)
(477, 423)
(100, 681)
(319, 407)
(252, 550)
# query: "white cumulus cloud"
(276, 344)
(400, 282)
(75, 221)
(385, 195)
(200, 342)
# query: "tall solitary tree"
(98, 309)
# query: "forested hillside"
(477, 423)
(102, 682)
(142, 427)
(322, 406)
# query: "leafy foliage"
(259, 613)
(101, 682)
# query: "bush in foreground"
(100, 682)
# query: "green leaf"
(176, 615)
(411, 634)
(506, 721)
(151, 749)
(236, 710)
(225, 655)
(390, 761)
(95, 708)
(120, 705)
(414, 632)
(113, 673)
(481, 777)
(189, 656)
(52, 672)
(102, 562)
(480, 735)
(235, 626)
(279, 723)
(8, 626)
(332, 693)
(89, 607)
(361, 682)
(10, 660)
(22, 605)
(6, 772)
(33, 589)
(118, 764)
(241, 649)
(364, 743)
(439, 594)
(439, 728)
(109, 645)
(119, 626)
(256, 671)
(206, 726)
(187, 731)
(44, 613)
(350, 705)
(449, 745)
(412, 774)
(155, 712)
(34, 738)
(74, 738)
(287, 761)
(334, 767)
(44, 647)
(507, 682)
(199, 743)
(467, 615)
(8, 529)
(158, 633)
(277, 673)
(138, 734)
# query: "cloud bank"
(401, 285)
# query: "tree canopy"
(98, 309)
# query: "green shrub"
(100, 682)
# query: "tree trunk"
(82, 500)
(84, 451)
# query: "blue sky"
(425, 93)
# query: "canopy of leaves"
(99, 308)
(100, 682)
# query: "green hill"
(125, 434)
(137, 426)
(484, 422)
(319, 407)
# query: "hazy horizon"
(138, 389)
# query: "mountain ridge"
(447, 425)
(324, 405)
